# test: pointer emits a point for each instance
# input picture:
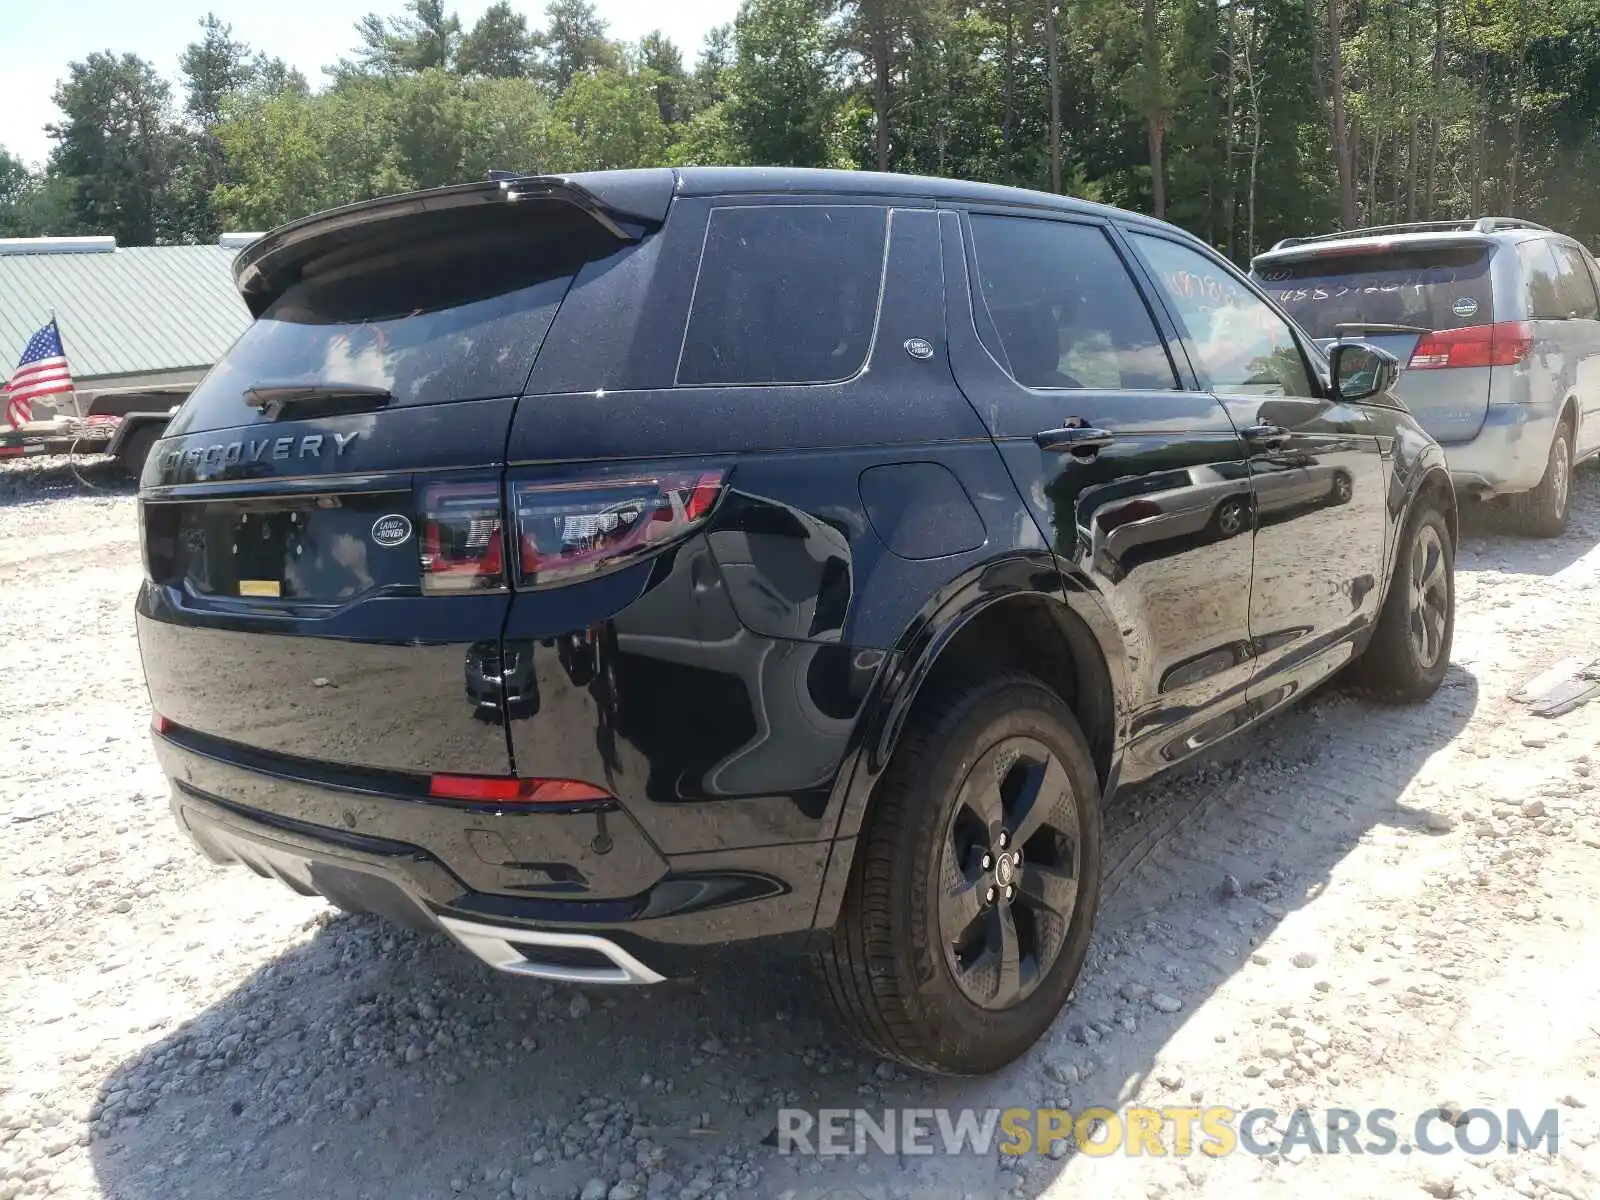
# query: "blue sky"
(310, 34)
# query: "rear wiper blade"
(1377, 327)
(315, 400)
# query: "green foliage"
(426, 38)
(575, 42)
(785, 100)
(117, 148)
(657, 53)
(608, 120)
(1452, 107)
(498, 46)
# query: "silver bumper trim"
(516, 951)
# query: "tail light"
(574, 530)
(1503, 344)
(500, 789)
(463, 541)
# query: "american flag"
(42, 371)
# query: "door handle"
(1265, 435)
(1074, 438)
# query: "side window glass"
(787, 293)
(1546, 301)
(1576, 285)
(1065, 310)
(1243, 346)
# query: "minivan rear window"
(1438, 287)
(458, 316)
(787, 294)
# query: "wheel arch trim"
(1024, 576)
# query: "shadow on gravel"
(369, 1062)
(1491, 541)
(58, 477)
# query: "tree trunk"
(880, 90)
(1372, 178)
(1155, 115)
(1230, 185)
(1434, 100)
(1341, 141)
(1516, 134)
(1478, 71)
(1411, 143)
(1255, 132)
(1009, 119)
(1052, 57)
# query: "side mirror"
(1361, 371)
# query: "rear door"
(321, 520)
(1320, 479)
(1581, 337)
(1138, 482)
(1428, 301)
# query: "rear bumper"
(425, 866)
(1508, 455)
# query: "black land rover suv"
(611, 569)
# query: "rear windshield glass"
(786, 294)
(1444, 287)
(453, 317)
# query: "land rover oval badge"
(393, 530)
(919, 347)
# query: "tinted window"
(786, 294)
(1065, 312)
(1242, 344)
(1545, 300)
(1441, 287)
(1577, 289)
(446, 317)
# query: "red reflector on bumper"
(497, 789)
(160, 724)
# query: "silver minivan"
(1496, 324)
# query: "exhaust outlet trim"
(515, 951)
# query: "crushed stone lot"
(1350, 907)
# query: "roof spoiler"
(1475, 225)
(269, 265)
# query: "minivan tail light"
(463, 539)
(573, 530)
(1503, 344)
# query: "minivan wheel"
(1543, 511)
(973, 891)
(1409, 653)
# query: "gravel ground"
(1352, 907)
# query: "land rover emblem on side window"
(392, 530)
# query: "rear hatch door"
(322, 521)
(1395, 294)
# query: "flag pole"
(77, 401)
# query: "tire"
(1543, 512)
(896, 979)
(1409, 654)
(136, 449)
(1232, 517)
